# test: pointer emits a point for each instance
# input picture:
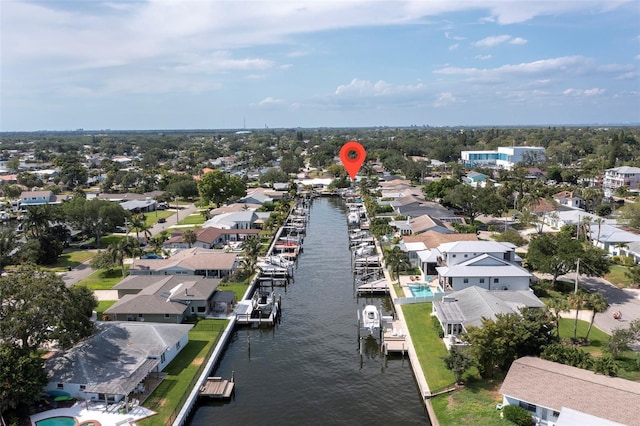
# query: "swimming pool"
(57, 421)
(420, 290)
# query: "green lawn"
(597, 337)
(103, 279)
(429, 347)
(169, 397)
(239, 288)
(474, 404)
(194, 219)
(151, 218)
(103, 305)
(617, 277)
(70, 259)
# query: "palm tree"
(251, 247)
(119, 251)
(248, 265)
(396, 260)
(558, 305)
(576, 301)
(189, 237)
(8, 244)
(598, 304)
(599, 221)
(37, 220)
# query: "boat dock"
(374, 287)
(217, 388)
(394, 338)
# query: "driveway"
(84, 270)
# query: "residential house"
(261, 196)
(504, 157)
(620, 176)
(427, 259)
(475, 179)
(209, 237)
(233, 220)
(461, 309)
(611, 238)
(421, 224)
(414, 206)
(193, 261)
(39, 198)
(155, 298)
(569, 199)
(485, 271)
(234, 207)
(557, 394)
(112, 363)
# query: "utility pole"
(575, 290)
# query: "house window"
(202, 308)
(83, 387)
(466, 255)
(481, 280)
(162, 358)
(60, 386)
(192, 309)
(453, 255)
(140, 317)
(529, 407)
(177, 345)
(496, 280)
(466, 280)
(556, 414)
(167, 316)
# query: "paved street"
(84, 270)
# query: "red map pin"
(352, 155)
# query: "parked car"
(151, 256)
(162, 220)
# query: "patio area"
(415, 280)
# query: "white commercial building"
(504, 157)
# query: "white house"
(484, 271)
(112, 363)
(557, 394)
(464, 308)
(620, 176)
(461, 251)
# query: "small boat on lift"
(371, 320)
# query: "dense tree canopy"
(475, 201)
(219, 187)
(94, 217)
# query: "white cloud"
(454, 46)
(453, 37)
(483, 57)
(492, 41)
(517, 40)
(444, 99)
(583, 92)
(268, 101)
(365, 88)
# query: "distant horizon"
(247, 129)
(118, 64)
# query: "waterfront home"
(111, 364)
(461, 251)
(563, 395)
(261, 196)
(461, 309)
(414, 206)
(39, 198)
(234, 207)
(208, 238)
(168, 299)
(244, 219)
(486, 271)
(613, 239)
(194, 261)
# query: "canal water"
(308, 369)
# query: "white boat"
(371, 320)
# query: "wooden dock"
(374, 287)
(394, 338)
(217, 388)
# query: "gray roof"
(476, 247)
(115, 355)
(470, 305)
(485, 266)
(553, 385)
(612, 234)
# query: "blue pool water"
(57, 421)
(420, 290)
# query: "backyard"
(182, 372)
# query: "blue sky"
(181, 64)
